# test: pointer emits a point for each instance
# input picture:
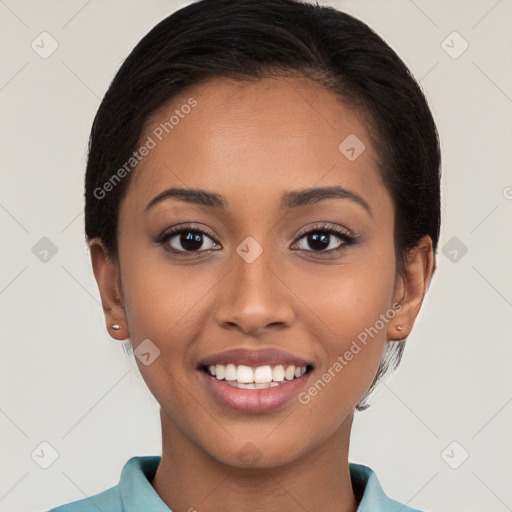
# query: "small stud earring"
(399, 328)
(116, 327)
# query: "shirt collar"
(137, 493)
(366, 486)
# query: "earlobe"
(411, 288)
(106, 273)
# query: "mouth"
(253, 382)
(260, 377)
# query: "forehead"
(256, 138)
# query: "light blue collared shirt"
(134, 493)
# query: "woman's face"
(254, 290)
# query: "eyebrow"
(290, 200)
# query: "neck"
(188, 478)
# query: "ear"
(106, 272)
(411, 286)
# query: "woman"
(262, 211)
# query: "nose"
(255, 297)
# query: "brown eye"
(326, 239)
(187, 239)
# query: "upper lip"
(254, 358)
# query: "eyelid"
(325, 226)
(176, 230)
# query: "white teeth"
(253, 385)
(244, 374)
(289, 374)
(263, 374)
(255, 378)
(230, 373)
(220, 371)
(278, 373)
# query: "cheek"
(169, 305)
(357, 300)
(166, 308)
(349, 298)
(352, 310)
(160, 298)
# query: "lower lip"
(253, 401)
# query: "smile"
(254, 381)
(260, 377)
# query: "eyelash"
(324, 229)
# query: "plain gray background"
(65, 382)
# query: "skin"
(252, 142)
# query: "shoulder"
(106, 501)
(133, 492)
(369, 491)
